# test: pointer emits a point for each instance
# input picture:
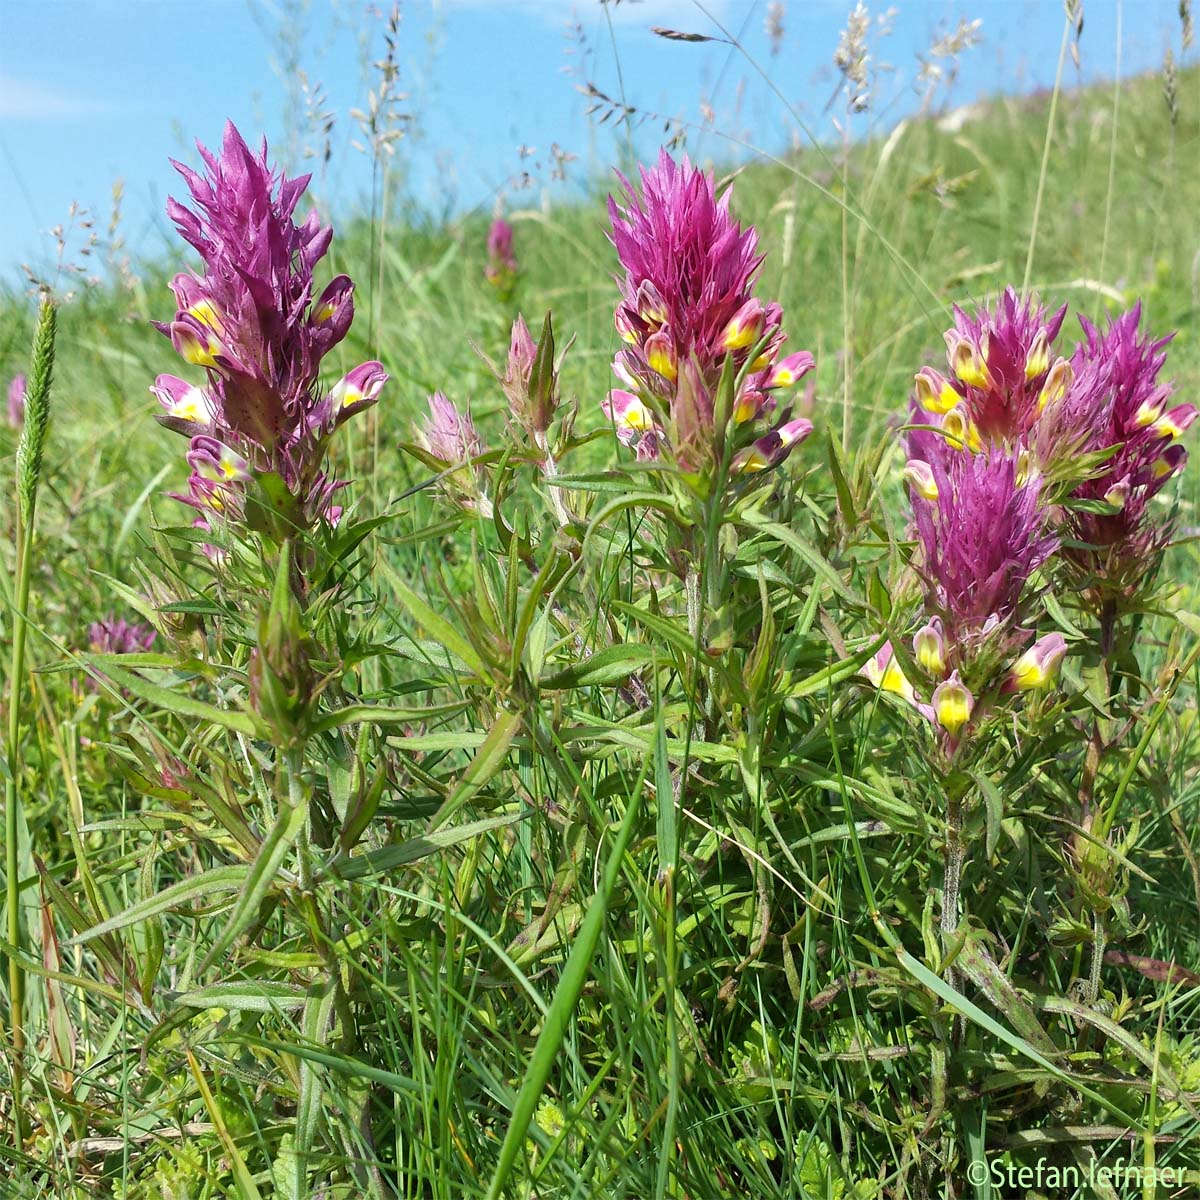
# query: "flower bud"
(1061, 376)
(651, 307)
(358, 389)
(791, 370)
(660, 355)
(186, 408)
(1037, 360)
(1175, 423)
(919, 476)
(935, 393)
(886, 674)
(929, 647)
(1038, 666)
(952, 704)
(969, 363)
(745, 327)
(282, 683)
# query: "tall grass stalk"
(29, 469)
(1041, 187)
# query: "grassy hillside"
(770, 1019)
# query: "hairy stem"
(954, 856)
(1099, 941)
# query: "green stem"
(1099, 941)
(954, 856)
(12, 802)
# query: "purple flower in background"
(115, 635)
(16, 401)
(251, 320)
(451, 438)
(687, 308)
(501, 270)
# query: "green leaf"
(109, 665)
(826, 677)
(318, 1015)
(435, 625)
(820, 567)
(275, 848)
(566, 996)
(941, 989)
(244, 995)
(674, 633)
(388, 858)
(241, 1173)
(489, 758)
(613, 664)
(385, 714)
(218, 880)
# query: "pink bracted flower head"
(115, 635)
(452, 439)
(981, 540)
(253, 320)
(1000, 360)
(687, 307)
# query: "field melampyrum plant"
(637, 793)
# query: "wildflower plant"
(1032, 474)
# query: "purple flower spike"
(981, 540)
(687, 307)
(16, 401)
(252, 319)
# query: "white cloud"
(25, 99)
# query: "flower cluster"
(251, 320)
(115, 635)
(1002, 374)
(688, 310)
(501, 269)
(1097, 422)
(983, 532)
(986, 443)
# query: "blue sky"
(96, 90)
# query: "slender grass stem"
(1041, 187)
(12, 809)
(29, 468)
